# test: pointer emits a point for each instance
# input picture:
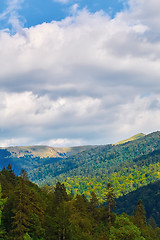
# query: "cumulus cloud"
(87, 79)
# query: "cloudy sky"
(78, 72)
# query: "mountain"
(104, 159)
(135, 137)
(45, 151)
(30, 157)
(128, 165)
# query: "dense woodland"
(28, 212)
(127, 166)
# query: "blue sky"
(78, 72)
(31, 13)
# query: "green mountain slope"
(150, 196)
(133, 138)
(102, 159)
(31, 157)
(127, 166)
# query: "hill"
(30, 157)
(127, 166)
(133, 138)
(45, 151)
(150, 196)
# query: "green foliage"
(139, 215)
(150, 195)
(27, 237)
(34, 214)
(124, 229)
(109, 197)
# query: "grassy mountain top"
(56, 152)
(133, 138)
(45, 151)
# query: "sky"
(78, 72)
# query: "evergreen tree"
(139, 215)
(27, 211)
(24, 175)
(2, 201)
(93, 206)
(22, 211)
(109, 198)
(60, 194)
(152, 222)
(9, 168)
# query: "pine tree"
(139, 215)
(2, 201)
(27, 211)
(24, 175)
(109, 198)
(21, 221)
(93, 206)
(152, 222)
(60, 193)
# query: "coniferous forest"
(28, 212)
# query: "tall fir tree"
(27, 211)
(109, 198)
(139, 215)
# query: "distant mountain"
(45, 151)
(100, 160)
(128, 165)
(31, 157)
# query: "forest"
(128, 166)
(28, 212)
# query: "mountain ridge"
(127, 166)
(44, 151)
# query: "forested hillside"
(127, 166)
(30, 213)
(31, 157)
(150, 196)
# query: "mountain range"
(128, 164)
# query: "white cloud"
(74, 9)
(62, 1)
(81, 79)
(11, 14)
